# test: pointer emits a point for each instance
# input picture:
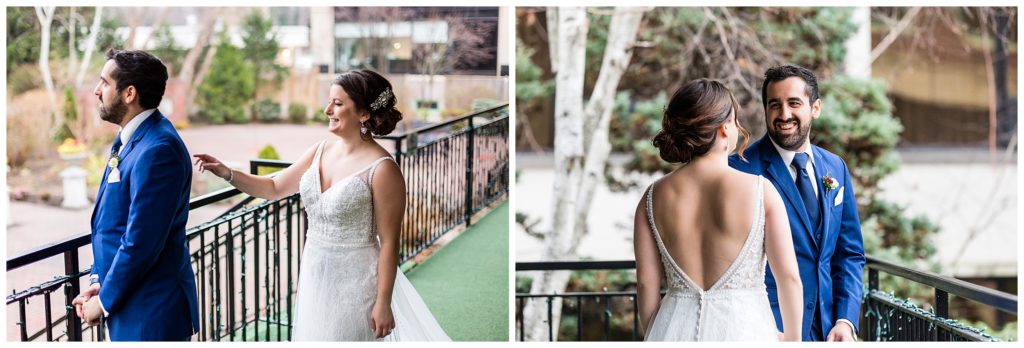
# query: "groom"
(818, 193)
(142, 282)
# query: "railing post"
(551, 331)
(941, 303)
(579, 318)
(72, 289)
(522, 319)
(636, 318)
(22, 320)
(868, 330)
(872, 279)
(398, 151)
(470, 144)
(607, 315)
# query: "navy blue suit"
(831, 269)
(138, 239)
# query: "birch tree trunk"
(153, 28)
(133, 25)
(188, 74)
(617, 54)
(552, 21)
(90, 45)
(572, 40)
(857, 62)
(200, 75)
(72, 27)
(581, 145)
(45, 15)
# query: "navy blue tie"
(117, 145)
(803, 184)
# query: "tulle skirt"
(337, 288)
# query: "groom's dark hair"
(780, 73)
(142, 70)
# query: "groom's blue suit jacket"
(831, 269)
(138, 238)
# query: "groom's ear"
(816, 109)
(130, 94)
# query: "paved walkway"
(465, 283)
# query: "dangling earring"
(362, 128)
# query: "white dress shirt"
(787, 158)
(129, 129)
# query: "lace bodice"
(735, 307)
(344, 212)
(745, 272)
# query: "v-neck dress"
(734, 308)
(337, 284)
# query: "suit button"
(810, 306)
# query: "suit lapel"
(780, 173)
(821, 168)
(146, 125)
(99, 196)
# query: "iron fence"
(883, 318)
(246, 260)
(887, 318)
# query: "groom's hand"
(841, 332)
(93, 311)
(88, 293)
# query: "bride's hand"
(382, 321)
(209, 163)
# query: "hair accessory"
(381, 100)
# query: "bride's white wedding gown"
(337, 283)
(734, 308)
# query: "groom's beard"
(791, 141)
(115, 113)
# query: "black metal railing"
(246, 260)
(607, 303)
(887, 318)
(452, 170)
(883, 318)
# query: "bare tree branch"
(737, 74)
(90, 45)
(894, 33)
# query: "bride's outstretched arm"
(649, 272)
(284, 184)
(388, 208)
(782, 259)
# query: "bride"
(349, 286)
(706, 230)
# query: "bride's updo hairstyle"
(690, 124)
(372, 93)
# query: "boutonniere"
(115, 175)
(829, 182)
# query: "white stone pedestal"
(74, 188)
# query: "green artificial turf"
(465, 283)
